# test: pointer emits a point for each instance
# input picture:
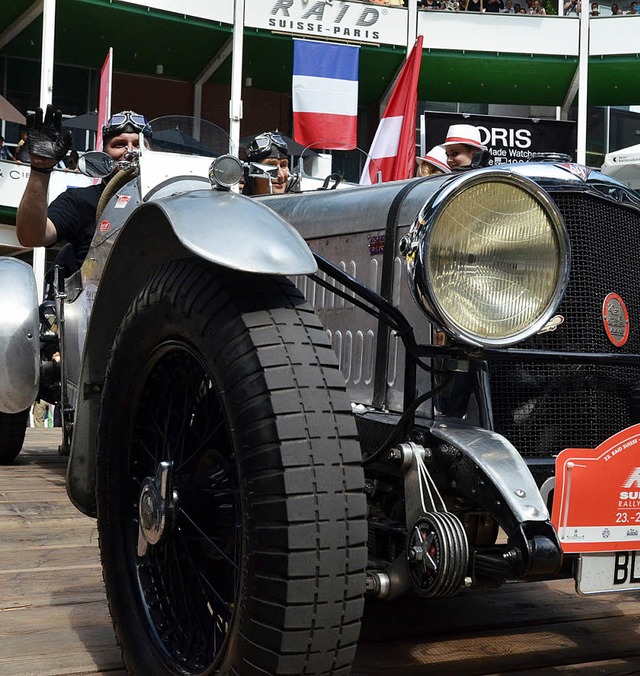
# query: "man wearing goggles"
(72, 215)
(268, 148)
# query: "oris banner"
(508, 139)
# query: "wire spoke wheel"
(229, 485)
(188, 579)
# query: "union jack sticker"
(376, 244)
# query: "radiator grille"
(542, 407)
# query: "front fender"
(19, 336)
(489, 468)
(229, 230)
(502, 465)
(236, 232)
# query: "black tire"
(260, 568)
(13, 427)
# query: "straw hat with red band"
(466, 134)
(437, 157)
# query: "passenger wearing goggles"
(72, 215)
(268, 148)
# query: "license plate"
(608, 572)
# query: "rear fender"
(19, 336)
(229, 230)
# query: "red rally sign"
(596, 505)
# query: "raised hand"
(45, 137)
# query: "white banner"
(14, 177)
(356, 22)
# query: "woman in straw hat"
(434, 162)
(461, 145)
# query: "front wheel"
(13, 427)
(231, 510)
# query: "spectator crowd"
(534, 7)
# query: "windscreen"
(187, 136)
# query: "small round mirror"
(96, 164)
(225, 171)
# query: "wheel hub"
(155, 507)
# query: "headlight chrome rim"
(418, 243)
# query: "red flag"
(393, 151)
(104, 99)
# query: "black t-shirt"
(74, 214)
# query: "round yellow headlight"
(496, 260)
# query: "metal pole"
(583, 80)
(48, 41)
(46, 97)
(412, 27)
(235, 104)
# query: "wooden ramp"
(53, 613)
(54, 619)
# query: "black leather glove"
(45, 137)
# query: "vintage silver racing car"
(279, 406)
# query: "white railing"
(611, 35)
(503, 33)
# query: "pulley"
(438, 554)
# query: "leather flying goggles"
(262, 145)
(119, 122)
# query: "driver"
(267, 148)
(72, 215)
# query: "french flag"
(325, 94)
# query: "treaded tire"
(13, 427)
(260, 568)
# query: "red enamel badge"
(616, 319)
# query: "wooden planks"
(503, 650)
(53, 611)
(54, 618)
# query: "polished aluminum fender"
(19, 336)
(501, 463)
(237, 232)
(227, 229)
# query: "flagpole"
(235, 104)
(412, 26)
(46, 97)
(583, 84)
